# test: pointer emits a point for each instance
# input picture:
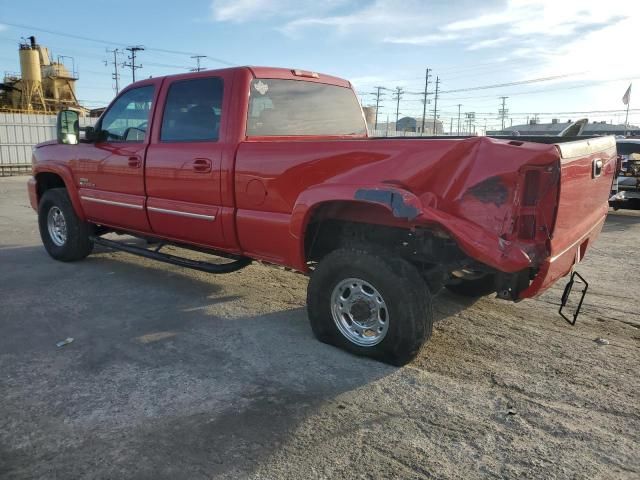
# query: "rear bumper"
(561, 264)
(33, 193)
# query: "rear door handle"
(134, 162)
(201, 165)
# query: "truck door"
(110, 172)
(183, 161)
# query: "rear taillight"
(538, 199)
(531, 188)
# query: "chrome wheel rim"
(360, 312)
(57, 226)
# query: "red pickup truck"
(276, 165)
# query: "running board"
(155, 254)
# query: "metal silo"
(31, 76)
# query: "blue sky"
(588, 44)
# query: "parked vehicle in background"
(626, 187)
(276, 165)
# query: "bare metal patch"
(492, 190)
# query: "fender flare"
(400, 203)
(65, 174)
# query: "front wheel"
(64, 235)
(370, 302)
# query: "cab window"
(192, 111)
(128, 118)
(298, 108)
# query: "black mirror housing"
(68, 127)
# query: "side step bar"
(233, 266)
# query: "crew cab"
(269, 164)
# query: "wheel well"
(336, 224)
(435, 253)
(46, 181)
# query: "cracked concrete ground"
(179, 374)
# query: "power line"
(115, 75)
(110, 43)
(435, 105)
(197, 59)
(377, 94)
(397, 97)
(132, 60)
(503, 111)
(426, 86)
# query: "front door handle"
(201, 165)
(134, 162)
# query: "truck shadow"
(621, 220)
(165, 363)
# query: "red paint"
(509, 205)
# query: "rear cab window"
(192, 111)
(299, 108)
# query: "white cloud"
(489, 43)
(239, 11)
(422, 39)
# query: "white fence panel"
(19, 133)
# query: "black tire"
(479, 287)
(405, 293)
(77, 244)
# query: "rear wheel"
(370, 302)
(64, 235)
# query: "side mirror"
(91, 135)
(68, 127)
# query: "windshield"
(297, 108)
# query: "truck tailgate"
(587, 168)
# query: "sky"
(573, 55)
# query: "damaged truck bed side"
(275, 165)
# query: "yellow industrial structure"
(43, 86)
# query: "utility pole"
(470, 119)
(424, 107)
(132, 60)
(377, 94)
(459, 105)
(398, 96)
(435, 106)
(115, 75)
(451, 126)
(197, 59)
(503, 111)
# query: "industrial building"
(406, 125)
(555, 127)
(43, 86)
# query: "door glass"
(192, 111)
(128, 118)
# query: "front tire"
(64, 235)
(369, 302)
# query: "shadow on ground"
(166, 376)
